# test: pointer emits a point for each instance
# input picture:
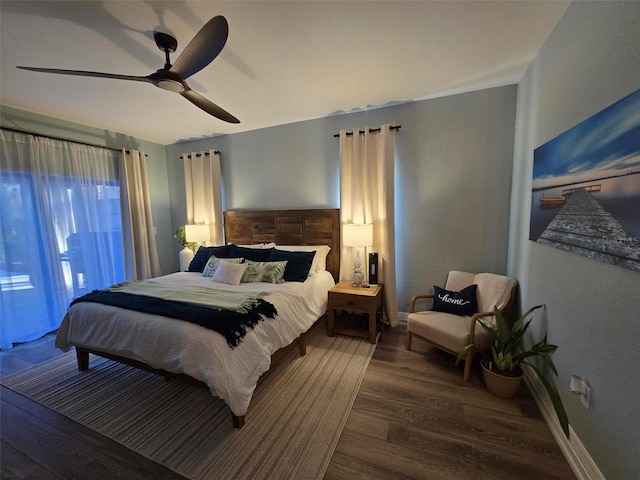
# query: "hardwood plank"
(442, 395)
(512, 458)
(69, 449)
(16, 465)
(387, 457)
(346, 467)
(440, 426)
(28, 354)
(371, 425)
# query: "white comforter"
(182, 347)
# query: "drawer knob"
(350, 303)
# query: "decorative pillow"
(463, 302)
(298, 264)
(258, 245)
(230, 273)
(204, 253)
(212, 264)
(320, 258)
(270, 272)
(253, 254)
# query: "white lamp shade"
(357, 235)
(197, 233)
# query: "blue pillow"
(203, 255)
(298, 264)
(463, 302)
(253, 254)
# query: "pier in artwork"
(584, 227)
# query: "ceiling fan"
(202, 50)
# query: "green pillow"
(210, 268)
(270, 272)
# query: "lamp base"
(185, 256)
(358, 277)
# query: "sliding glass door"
(23, 274)
(60, 228)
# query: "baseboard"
(572, 448)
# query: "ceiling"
(283, 61)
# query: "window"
(61, 230)
(15, 271)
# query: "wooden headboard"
(287, 227)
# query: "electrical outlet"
(586, 398)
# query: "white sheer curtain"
(60, 226)
(140, 251)
(367, 196)
(203, 186)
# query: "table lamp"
(357, 236)
(197, 233)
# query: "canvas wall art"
(585, 196)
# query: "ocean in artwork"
(620, 196)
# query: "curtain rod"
(206, 154)
(63, 139)
(371, 130)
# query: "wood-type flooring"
(413, 418)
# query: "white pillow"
(319, 259)
(258, 245)
(230, 273)
(213, 262)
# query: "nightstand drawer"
(350, 302)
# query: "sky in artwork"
(606, 144)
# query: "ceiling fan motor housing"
(165, 42)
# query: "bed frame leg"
(238, 421)
(302, 343)
(83, 359)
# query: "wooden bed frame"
(247, 227)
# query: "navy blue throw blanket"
(232, 325)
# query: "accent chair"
(452, 322)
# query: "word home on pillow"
(463, 302)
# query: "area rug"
(292, 427)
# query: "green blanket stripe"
(240, 302)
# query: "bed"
(181, 349)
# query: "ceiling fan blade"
(83, 73)
(209, 107)
(204, 47)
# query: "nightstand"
(344, 296)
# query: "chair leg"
(467, 365)
(408, 345)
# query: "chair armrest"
(412, 307)
(472, 323)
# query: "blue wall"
(591, 60)
(453, 176)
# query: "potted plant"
(508, 354)
(186, 254)
(181, 237)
